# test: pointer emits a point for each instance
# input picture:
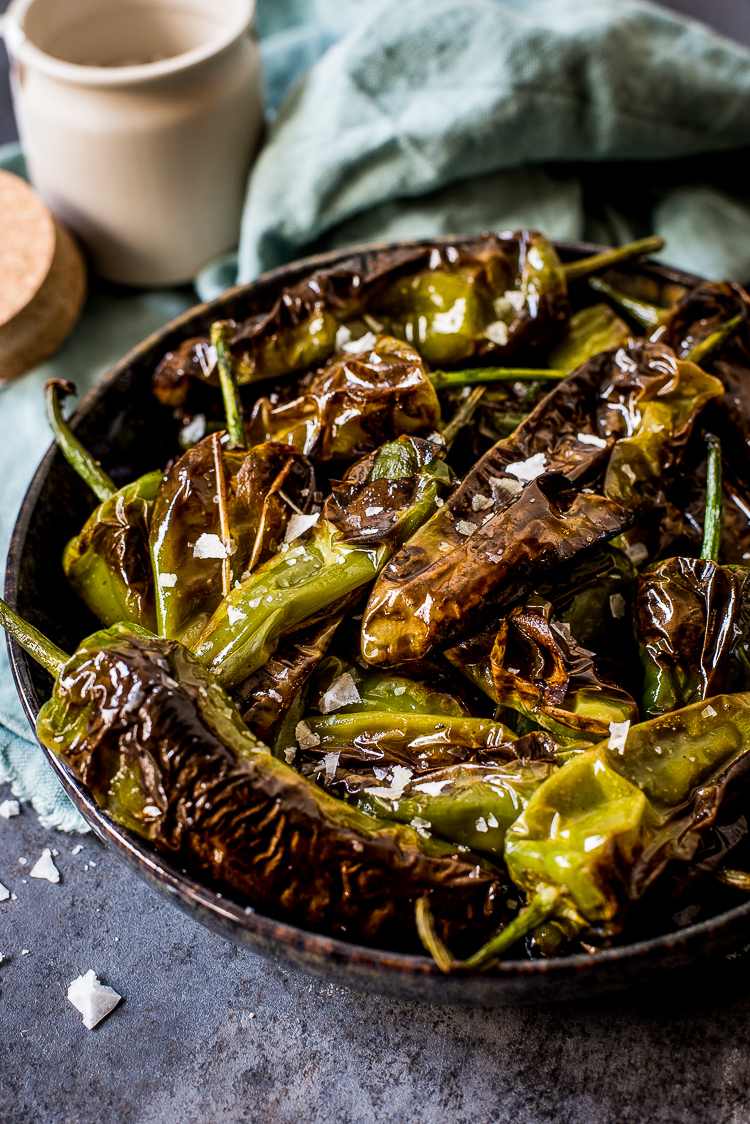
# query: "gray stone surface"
(209, 1034)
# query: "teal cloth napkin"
(583, 118)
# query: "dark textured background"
(209, 1034)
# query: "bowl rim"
(361, 967)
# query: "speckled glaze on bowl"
(123, 425)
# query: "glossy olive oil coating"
(162, 748)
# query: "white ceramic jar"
(139, 120)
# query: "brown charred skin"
(353, 405)
(497, 536)
(256, 483)
(246, 822)
(278, 342)
(267, 694)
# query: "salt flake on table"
(4, 893)
(10, 808)
(209, 546)
(529, 469)
(77, 849)
(342, 692)
(45, 868)
(298, 524)
(93, 999)
(618, 735)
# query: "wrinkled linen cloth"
(596, 119)
(593, 119)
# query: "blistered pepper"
(606, 826)
(107, 563)
(371, 393)
(693, 617)
(364, 521)
(141, 722)
(534, 500)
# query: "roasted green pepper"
(107, 563)
(531, 502)
(178, 766)
(364, 521)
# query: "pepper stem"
(442, 379)
(429, 938)
(462, 416)
(52, 658)
(538, 910)
(645, 314)
(575, 269)
(79, 458)
(710, 343)
(713, 518)
(221, 335)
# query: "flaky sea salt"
(480, 502)
(298, 524)
(93, 999)
(306, 739)
(331, 764)
(373, 510)
(167, 581)
(431, 788)
(194, 430)
(342, 692)
(617, 605)
(9, 808)
(365, 343)
(590, 439)
(464, 527)
(529, 469)
(709, 712)
(209, 546)
(234, 615)
(290, 754)
(4, 893)
(618, 735)
(45, 868)
(399, 779)
(481, 824)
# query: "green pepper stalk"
(107, 563)
(76, 455)
(442, 380)
(647, 315)
(178, 767)
(51, 658)
(221, 337)
(361, 527)
(640, 248)
(714, 518)
(704, 348)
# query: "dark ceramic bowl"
(130, 433)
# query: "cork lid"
(42, 279)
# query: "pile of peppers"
(434, 634)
